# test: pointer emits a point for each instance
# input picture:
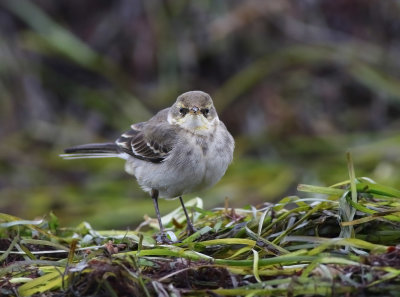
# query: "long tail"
(92, 150)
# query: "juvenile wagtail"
(180, 150)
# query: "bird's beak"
(194, 110)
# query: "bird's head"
(193, 111)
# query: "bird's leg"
(191, 229)
(162, 237)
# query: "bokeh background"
(298, 83)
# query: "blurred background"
(298, 83)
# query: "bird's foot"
(190, 230)
(163, 238)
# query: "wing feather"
(151, 141)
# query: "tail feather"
(89, 148)
(92, 150)
(89, 156)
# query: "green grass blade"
(41, 284)
(320, 190)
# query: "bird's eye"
(205, 111)
(183, 111)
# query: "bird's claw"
(163, 239)
(191, 230)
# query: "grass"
(338, 240)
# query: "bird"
(180, 150)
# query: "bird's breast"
(211, 157)
(195, 163)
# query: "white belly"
(193, 165)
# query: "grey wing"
(150, 141)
